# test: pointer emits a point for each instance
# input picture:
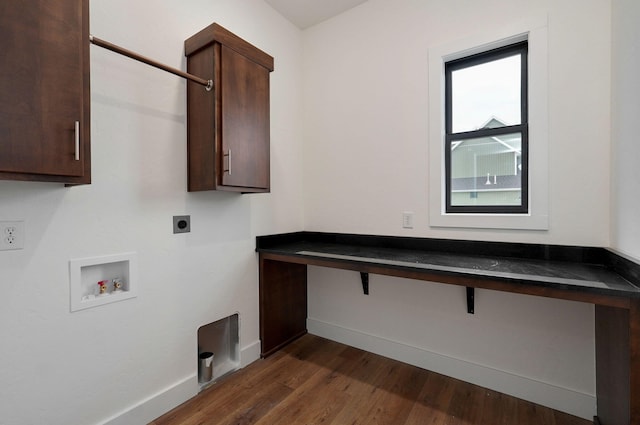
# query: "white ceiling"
(305, 13)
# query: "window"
(486, 132)
(535, 157)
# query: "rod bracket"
(365, 282)
(209, 85)
(471, 294)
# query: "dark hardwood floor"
(317, 381)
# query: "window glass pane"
(486, 95)
(487, 171)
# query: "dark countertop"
(584, 269)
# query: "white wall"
(91, 366)
(366, 156)
(363, 79)
(625, 110)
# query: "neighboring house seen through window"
(486, 134)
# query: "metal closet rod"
(208, 84)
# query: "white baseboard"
(545, 394)
(160, 403)
(250, 353)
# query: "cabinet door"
(244, 87)
(42, 88)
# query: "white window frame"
(535, 32)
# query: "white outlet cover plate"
(407, 220)
(11, 235)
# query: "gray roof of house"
(477, 184)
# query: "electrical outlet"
(11, 235)
(407, 220)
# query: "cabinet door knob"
(77, 141)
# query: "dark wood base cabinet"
(283, 304)
(228, 127)
(44, 91)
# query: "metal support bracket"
(471, 294)
(365, 282)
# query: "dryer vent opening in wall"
(218, 344)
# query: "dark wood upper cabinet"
(44, 91)
(228, 127)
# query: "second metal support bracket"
(365, 282)
(471, 295)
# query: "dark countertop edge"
(621, 264)
(465, 274)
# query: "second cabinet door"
(244, 90)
